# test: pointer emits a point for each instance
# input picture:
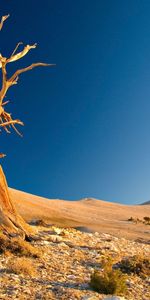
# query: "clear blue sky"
(87, 121)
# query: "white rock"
(114, 298)
(89, 298)
(55, 238)
(113, 248)
(96, 233)
(57, 230)
(44, 243)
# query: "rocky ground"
(68, 259)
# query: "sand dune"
(95, 215)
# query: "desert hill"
(88, 213)
(57, 262)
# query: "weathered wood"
(10, 220)
(6, 120)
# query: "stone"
(89, 298)
(66, 265)
(114, 298)
(57, 230)
(55, 238)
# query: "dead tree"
(10, 220)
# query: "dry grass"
(22, 265)
(24, 248)
(137, 264)
(18, 246)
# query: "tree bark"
(10, 221)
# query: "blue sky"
(87, 120)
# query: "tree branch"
(18, 72)
(2, 155)
(5, 84)
(11, 122)
(22, 53)
(20, 43)
(3, 20)
(6, 121)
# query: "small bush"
(22, 265)
(137, 220)
(131, 219)
(147, 220)
(136, 265)
(109, 281)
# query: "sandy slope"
(97, 215)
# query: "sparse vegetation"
(24, 248)
(18, 246)
(22, 265)
(137, 265)
(146, 220)
(39, 278)
(131, 219)
(108, 281)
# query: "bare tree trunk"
(10, 221)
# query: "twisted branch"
(20, 43)
(11, 122)
(14, 78)
(20, 54)
(3, 20)
(6, 121)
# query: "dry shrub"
(108, 280)
(138, 265)
(18, 246)
(24, 248)
(146, 220)
(22, 265)
(131, 219)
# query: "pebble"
(68, 261)
(55, 238)
(57, 230)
